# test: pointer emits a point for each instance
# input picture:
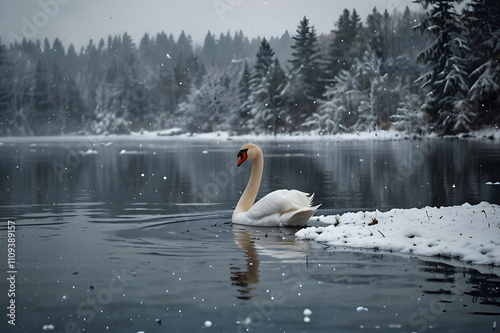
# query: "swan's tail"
(311, 198)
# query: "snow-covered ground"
(468, 233)
(391, 134)
(491, 133)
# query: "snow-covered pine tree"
(347, 44)
(110, 117)
(209, 52)
(306, 82)
(183, 59)
(342, 103)
(274, 115)
(264, 107)
(117, 108)
(6, 114)
(447, 78)
(254, 105)
(244, 83)
(361, 98)
(21, 88)
(375, 89)
(409, 117)
(409, 40)
(482, 20)
(374, 33)
(239, 117)
(206, 108)
(264, 60)
(41, 112)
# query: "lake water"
(116, 235)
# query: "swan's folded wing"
(298, 218)
(278, 203)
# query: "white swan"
(279, 208)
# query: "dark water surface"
(114, 235)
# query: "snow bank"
(380, 135)
(468, 233)
(492, 133)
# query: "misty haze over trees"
(417, 72)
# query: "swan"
(286, 208)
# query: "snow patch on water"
(470, 233)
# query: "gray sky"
(78, 21)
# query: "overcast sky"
(78, 21)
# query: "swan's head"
(248, 152)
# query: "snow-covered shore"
(469, 233)
(491, 133)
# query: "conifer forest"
(436, 70)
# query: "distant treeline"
(436, 70)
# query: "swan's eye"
(242, 155)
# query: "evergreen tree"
(264, 60)
(306, 84)
(21, 86)
(244, 83)
(70, 61)
(124, 46)
(207, 107)
(276, 119)
(56, 94)
(41, 113)
(46, 46)
(362, 98)
(197, 70)
(92, 75)
(447, 77)
(57, 51)
(239, 42)
(145, 47)
(225, 49)
(109, 117)
(5, 95)
(118, 100)
(73, 112)
(339, 109)
(483, 32)
(240, 119)
(257, 100)
(183, 78)
(184, 45)
(347, 44)
(264, 109)
(409, 117)
(375, 35)
(410, 41)
(209, 51)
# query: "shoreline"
(492, 134)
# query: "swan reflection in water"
(277, 243)
(244, 279)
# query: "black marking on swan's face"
(242, 154)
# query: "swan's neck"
(248, 197)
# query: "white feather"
(279, 208)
